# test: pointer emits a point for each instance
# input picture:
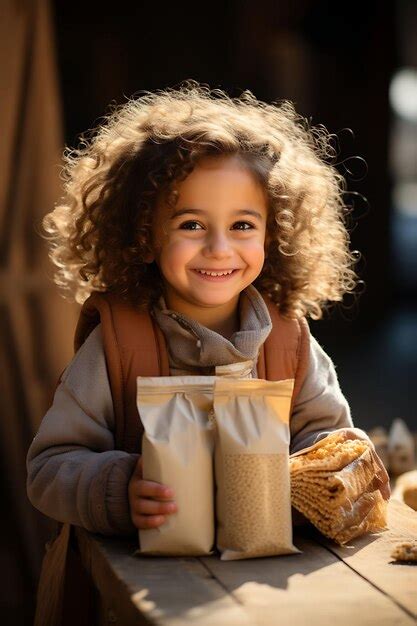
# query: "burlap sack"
(177, 449)
(250, 420)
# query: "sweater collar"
(192, 345)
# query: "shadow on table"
(353, 546)
(316, 553)
(169, 584)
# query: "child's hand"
(149, 501)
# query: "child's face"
(216, 233)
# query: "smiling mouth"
(215, 273)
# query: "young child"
(188, 204)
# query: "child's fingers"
(151, 489)
(145, 506)
(147, 521)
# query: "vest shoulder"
(107, 299)
(118, 318)
(290, 326)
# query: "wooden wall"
(34, 347)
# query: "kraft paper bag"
(177, 449)
(250, 419)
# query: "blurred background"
(351, 67)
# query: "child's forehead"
(209, 168)
(216, 176)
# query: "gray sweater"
(75, 475)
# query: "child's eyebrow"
(187, 210)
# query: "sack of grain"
(177, 450)
(253, 502)
(334, 484)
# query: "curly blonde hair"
(99, 232)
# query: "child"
(174, 189)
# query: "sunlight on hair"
(99, 233)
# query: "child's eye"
(247, 224)
(188, 225)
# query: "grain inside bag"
(253, 501)
(334, 485)
(177, 450)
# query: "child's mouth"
(216, 279)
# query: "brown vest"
(134, 345)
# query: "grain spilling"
(405, 551)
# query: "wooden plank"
(323, 584)
(156, 590)
(314, 588)
(370, 557)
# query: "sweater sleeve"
(74, 474)
(320, 407)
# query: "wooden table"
(326, 584)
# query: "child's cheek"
(178, 253)
(181, 247)
(255, 249)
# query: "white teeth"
(215, 273)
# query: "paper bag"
(177, 449)
(250, 419)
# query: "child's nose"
(218, 243)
